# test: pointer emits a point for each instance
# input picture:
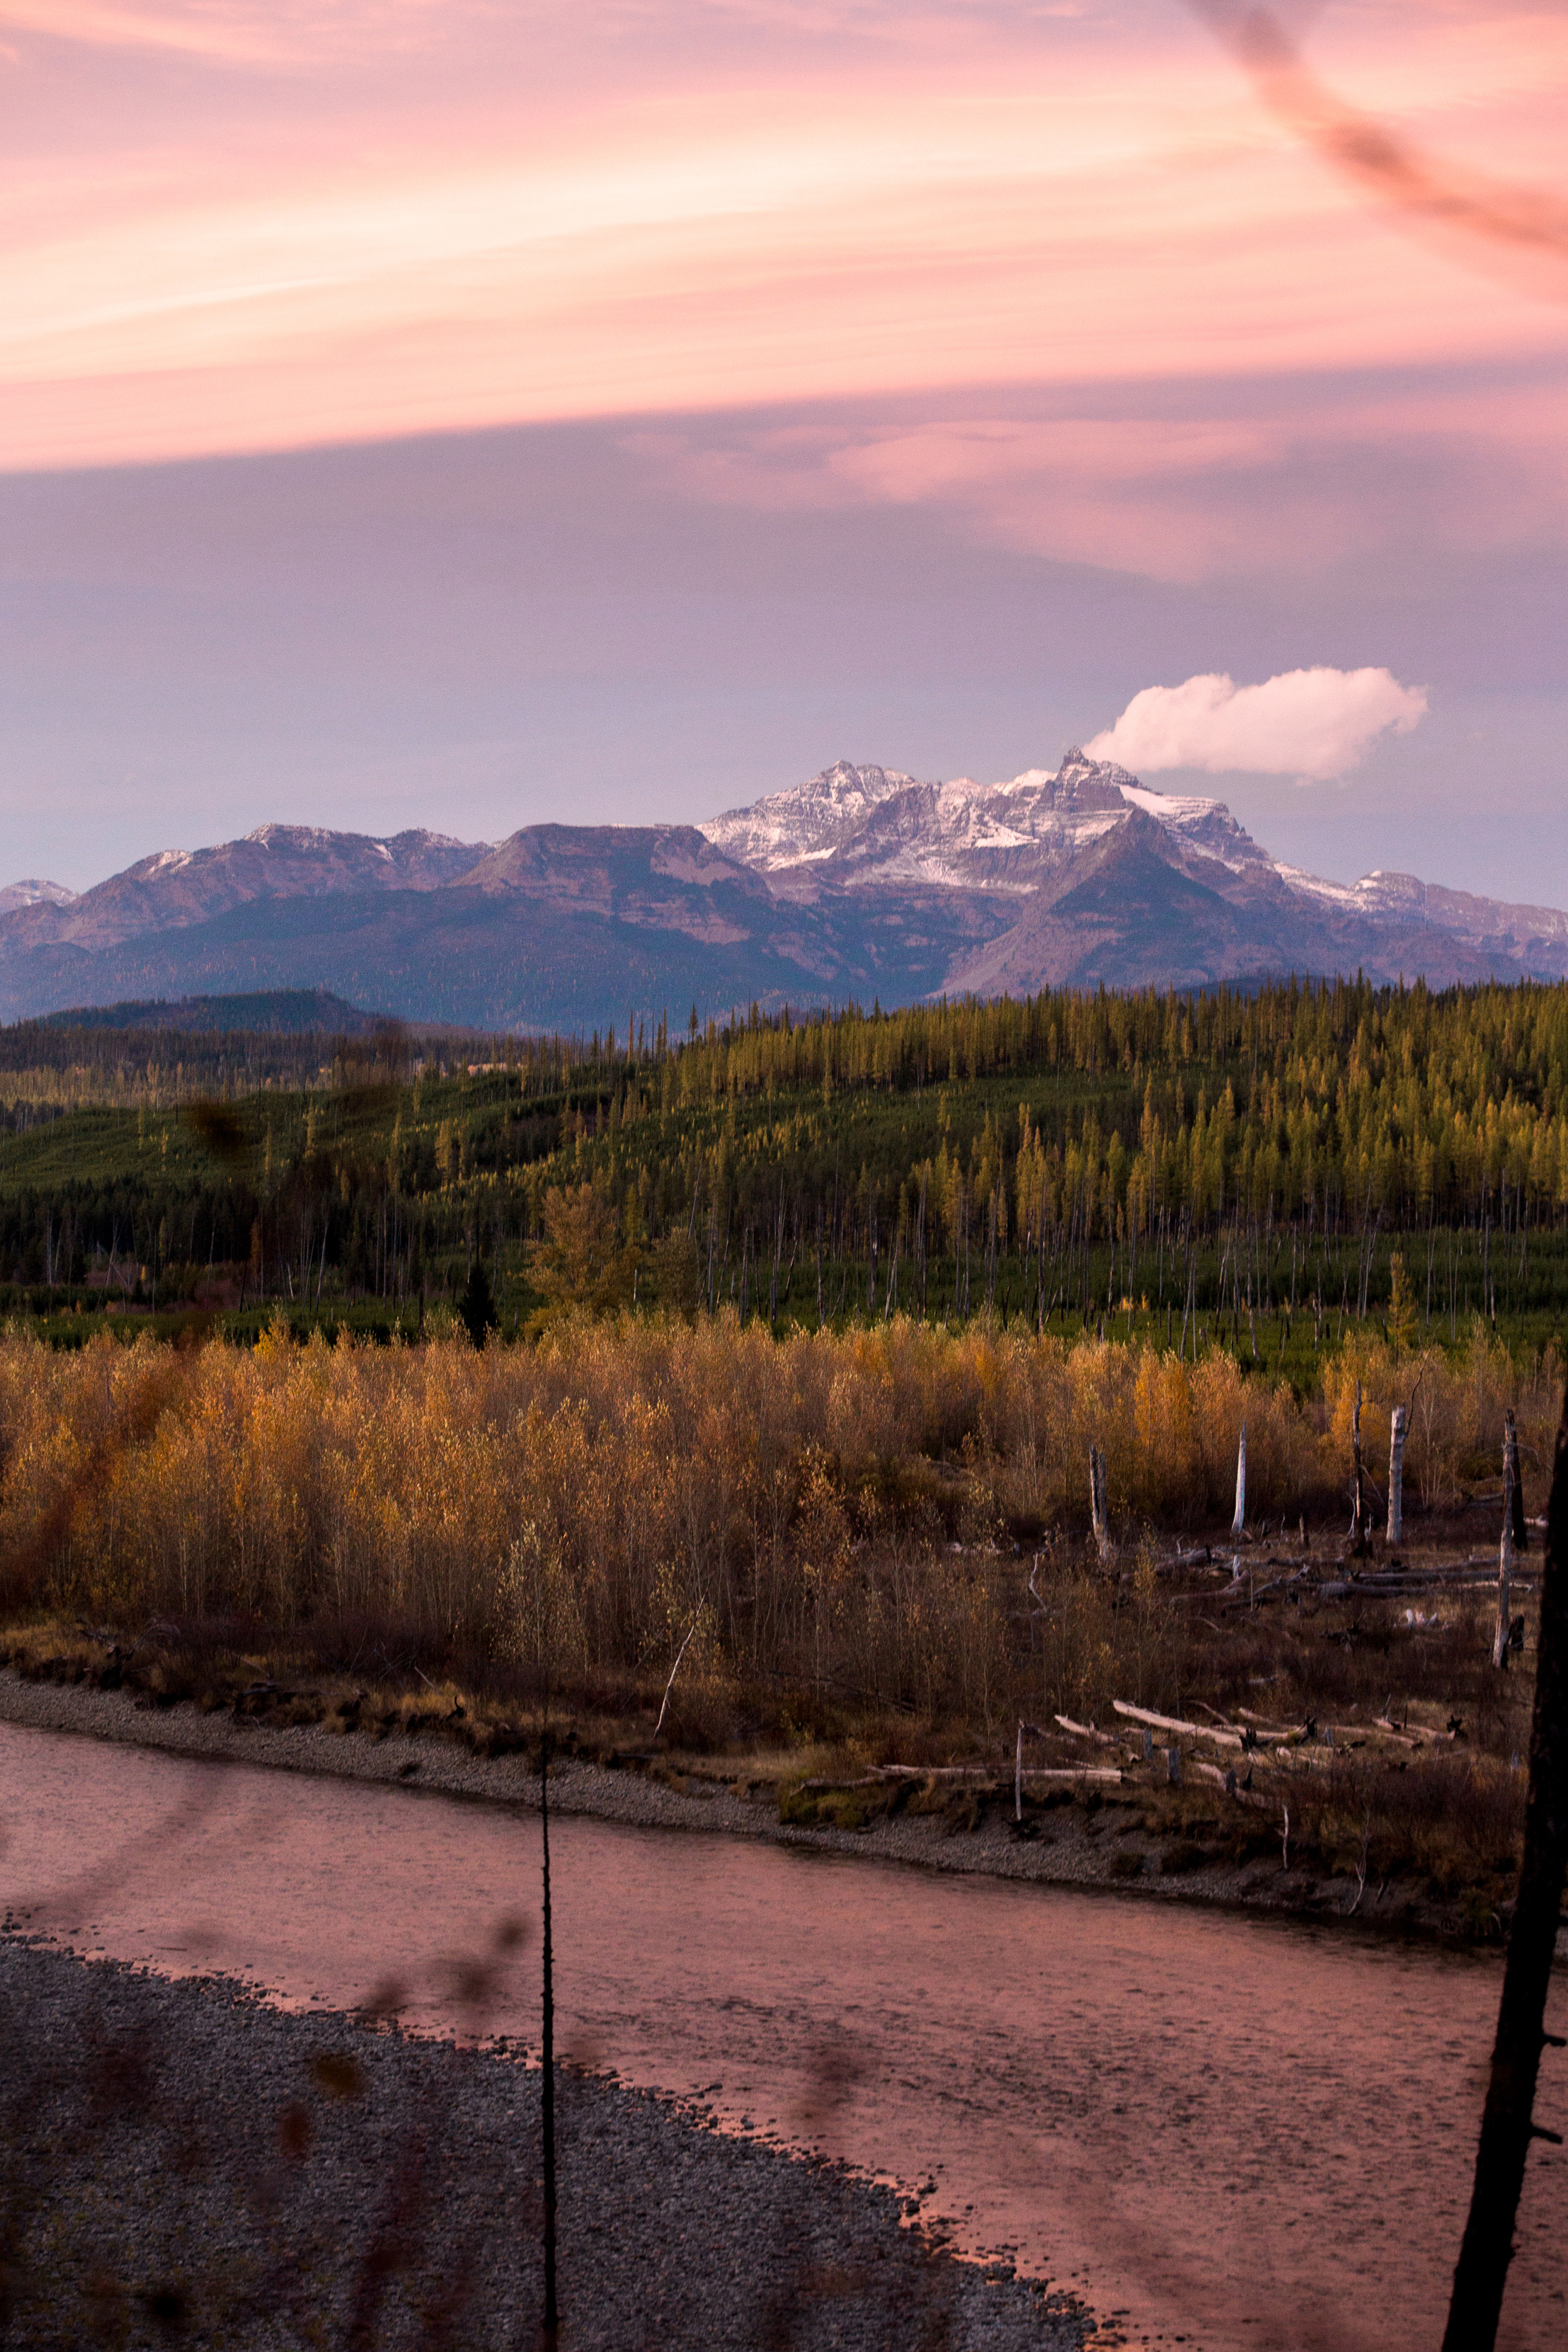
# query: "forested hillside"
(1257, 1170)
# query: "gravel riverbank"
(183, 2163)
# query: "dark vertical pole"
(552, 2318)
(1507, 2130)
(1520, 1531)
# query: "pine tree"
(476, 1308)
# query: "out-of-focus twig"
(1527, 222)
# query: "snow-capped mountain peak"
(877, 825)
(34, 892)
(806, 820)
(875, 882)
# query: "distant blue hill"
(272, 1012)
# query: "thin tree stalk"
(550, 2331)
(674, 1670)
(1507, 2124)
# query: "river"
(1238, 2134)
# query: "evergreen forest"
(1259, 1170)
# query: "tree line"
(1079, 1155)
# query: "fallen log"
(1175, 1723)
(1202, 1558)
(1085, 1732)
(1397, 1588)
(1263, 1728)
(989, 1772)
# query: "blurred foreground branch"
(1526, 221)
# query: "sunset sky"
(471, 412)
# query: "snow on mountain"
(34, 893)
(862, 882)
(807, 821)
(178, 886)
(876, 826)
(1034, 838)
(1405, 897)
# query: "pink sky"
(916, 383)
(233, 227)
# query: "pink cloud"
(1312, 724)
(230, 34)
(1306, 479)
(272, 228)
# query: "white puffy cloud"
(1312, 723)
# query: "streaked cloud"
(1299, 475)
(1312, 723)
(238, 36)
(231, 228)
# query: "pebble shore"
(184, 2164)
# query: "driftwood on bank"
(1085, 1732)
(1508, 2123)
(1262, 1729)
(1393, 1585)
(1413, 1731)
(973, 1773)
(1177, 1723)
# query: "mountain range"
(862, 882)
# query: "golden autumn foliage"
(582, 1265)
(849, 1514)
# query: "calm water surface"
(1238, 2134)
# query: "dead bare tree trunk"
(1239, 1521)
(1521, 1532)
(1033, 1731)
(1398, 1427)
(1507, 2128)
(1506, 1549)
(1358, 1504)
(550, 2331)
(1098, 1515)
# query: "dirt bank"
(1094, 1837)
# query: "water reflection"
(1231, 2132)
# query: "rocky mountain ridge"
(34, 892)
(862, 882)
(963, 835)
